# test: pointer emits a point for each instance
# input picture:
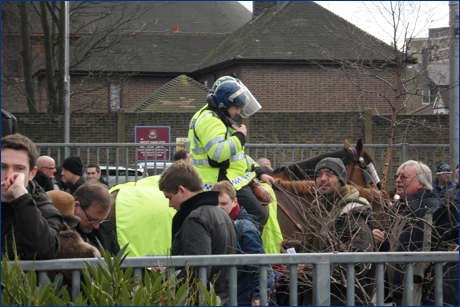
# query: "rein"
(294, 220)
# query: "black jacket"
(106, 234)
(200, 227)
(101, 180)
(36, 223)
(46, 183)
(71, 188)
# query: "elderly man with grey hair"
(406, 231)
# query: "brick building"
(430, 84)
(303, 63)
(292, 56)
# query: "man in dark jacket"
(442, 183)
(72, 172)
(341, 222)
(199, 227)
(28, 215)
(406, 232)
(45, 172)
(92, 205)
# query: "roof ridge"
(152, 98)
(241, 31)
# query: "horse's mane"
(305, 170)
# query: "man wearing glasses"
(46, 167)
(92, 205)
(407, 230)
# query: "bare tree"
(27, 63)
(383, 65)
(97, 30)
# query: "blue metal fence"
(127, 154)
(321, 274)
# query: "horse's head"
(360, 166)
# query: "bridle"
(369, 173)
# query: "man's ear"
(33, 172)
(77, 205)
(181, 189)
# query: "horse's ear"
(347, 144)
(360, 147)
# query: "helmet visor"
(246, 101)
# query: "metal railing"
(140, 154)
(321, 270)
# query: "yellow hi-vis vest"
(209, 136)
(271, 234)
(144, 220)
(151, 181)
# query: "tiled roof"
(164, 16)
(140, 16)
(173, 53)
(298, 31)
(439, 73)
(180, 94)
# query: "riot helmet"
(230, 93)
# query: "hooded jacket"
(343, 222)
(200, 227)
(35, 224)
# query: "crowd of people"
(217, 212)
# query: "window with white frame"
(426, 96)
(115, 97)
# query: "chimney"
(259, 6)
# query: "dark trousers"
(252, 205)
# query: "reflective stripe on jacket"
(211, 139)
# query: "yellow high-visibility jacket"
(144, 220)
(271, 234)
(211, 138)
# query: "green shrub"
(107, 284)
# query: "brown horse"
(295, 189)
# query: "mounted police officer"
(217, 142)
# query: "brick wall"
(315, 88)
(264, 127)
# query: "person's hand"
(267, 179)
(379, 236)
(14, 185)
(241, 129)
(256, 303)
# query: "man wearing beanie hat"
(72, 172)
(341, 222)
(442, 182)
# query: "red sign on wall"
(152, 135)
